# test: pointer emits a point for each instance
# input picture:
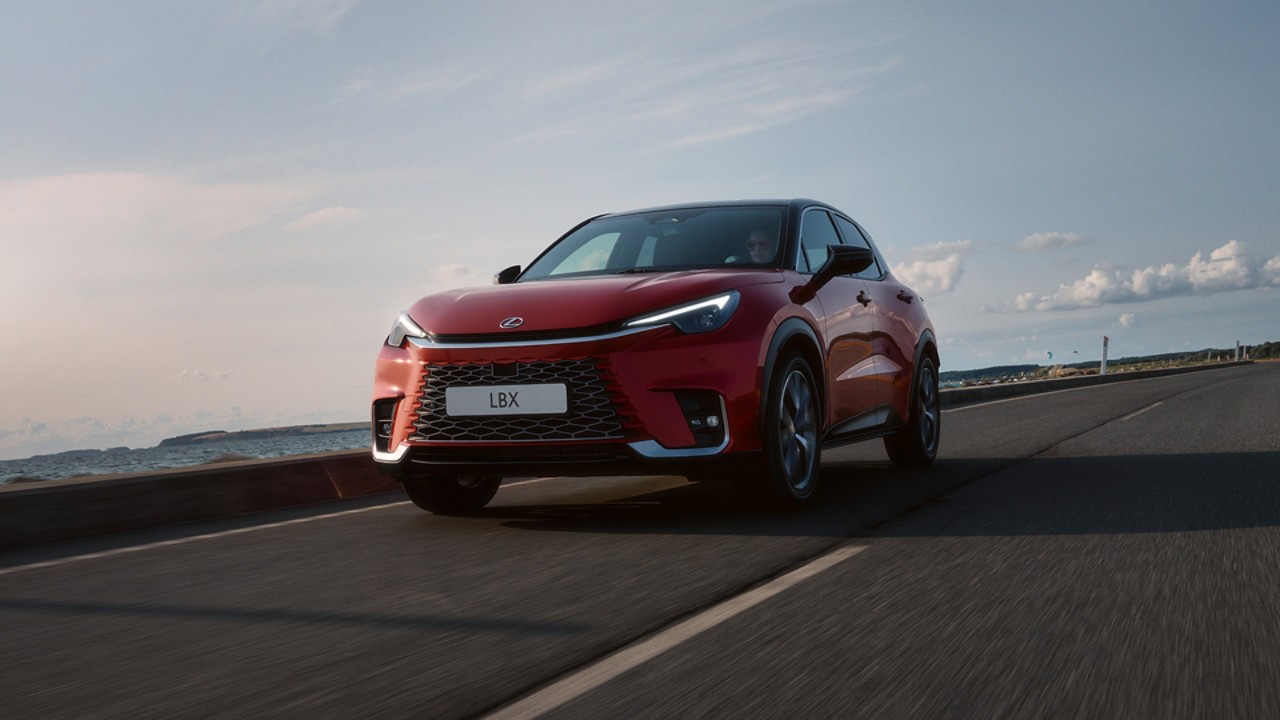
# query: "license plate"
(506, 400)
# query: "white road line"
(1136, 413)
(602, 671)
(1024, 397)
(529, 481)
(210, 536)
(193, 538)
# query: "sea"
(78, 463)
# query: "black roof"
(793, 203)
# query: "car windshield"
(685, 239)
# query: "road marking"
(971, 406)
(528, 481)
(221, 533)
(1136, 413)
(193, 538)
(610, 667)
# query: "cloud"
(1271, 271)
(455, 275)
(88, 210)
(1049, 240)
(929, 277)
(1227, 268)
(319, 16)
(1128, 320)
(377, 87)
(324, 216)
(682, 96)
(204, 375)
(77, 234)
(942, 250)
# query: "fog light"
(384, 412)
(702, 410)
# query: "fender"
(787, 330)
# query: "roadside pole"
(1103, 370)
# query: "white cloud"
(454, 275)
(1128, 320)
(1271, 271)
(324, 216)
(1048, 240)
(942, 250)
(1228, 268)
(931, 276)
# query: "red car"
(717, 341)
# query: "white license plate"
(506, 400)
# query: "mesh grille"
(591, 415)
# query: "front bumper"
(644, 377)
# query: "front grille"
(591, 415)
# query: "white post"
(1105, 340)
(1237, 351)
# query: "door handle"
(905, 296)
(864, 298)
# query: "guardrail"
(58, 510)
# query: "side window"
(816, 233)
(593, 255)
(854, 236)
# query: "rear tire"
(916, 443)
(452, 495)
(792, 445)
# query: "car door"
(893, 310)
(853, 390)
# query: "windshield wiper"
(635, 270)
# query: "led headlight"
(404, 327)
(695, 317)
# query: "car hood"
(590, 302)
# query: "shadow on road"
(1014, 496)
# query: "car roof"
(794, 203)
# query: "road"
(1107, 551)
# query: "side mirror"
(507, 276)
(841, 260)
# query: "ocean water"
(124, 460)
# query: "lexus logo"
(511, 323)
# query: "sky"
(211, 213)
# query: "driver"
(761, 246)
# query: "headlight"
(404, 327)
(695, 317)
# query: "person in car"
(761, 247)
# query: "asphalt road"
(1108, 551)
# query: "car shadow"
(1118, 494)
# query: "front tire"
(916, 443)
(791, 441)
(452, 495)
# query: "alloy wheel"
(797, 430)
